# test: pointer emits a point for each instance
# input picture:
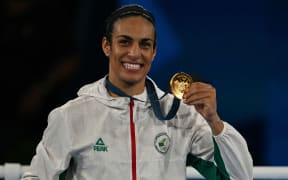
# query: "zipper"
(133, 141)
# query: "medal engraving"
(179, 82)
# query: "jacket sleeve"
(230, 158)
(53, 151)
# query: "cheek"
(148, 65)
(114, 62)
(149, 59)
(117, 54)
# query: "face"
(131, 51)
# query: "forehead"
(134, 26)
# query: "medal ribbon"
(152, 96)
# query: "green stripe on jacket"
(208, 169)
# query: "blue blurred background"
(52, 48)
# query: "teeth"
(131, 66)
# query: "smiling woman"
(119, 134)
(130, 52)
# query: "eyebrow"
(128, 37)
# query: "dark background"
(51, 48)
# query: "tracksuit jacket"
(99, 137)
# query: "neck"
(128, 88)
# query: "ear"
(106, 46)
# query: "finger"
(200, 85)
(196, 88)
(198, 94)
(204, 98)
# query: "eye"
(124, 42)
(146, 44)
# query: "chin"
(133, 80)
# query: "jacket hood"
(97, 89)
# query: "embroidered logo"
(162, 142)
(100, 146)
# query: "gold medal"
(179, 82)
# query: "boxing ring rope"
(13, 171)
(259, 172)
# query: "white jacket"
(96, 136)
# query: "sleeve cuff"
(223, 130)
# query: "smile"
(132, 66)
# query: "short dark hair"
(126, 11)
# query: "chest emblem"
(100, 146)
(162, 142)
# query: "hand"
(203, 97)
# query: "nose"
(135, 50)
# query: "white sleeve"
(53, 152)
(234, 152)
